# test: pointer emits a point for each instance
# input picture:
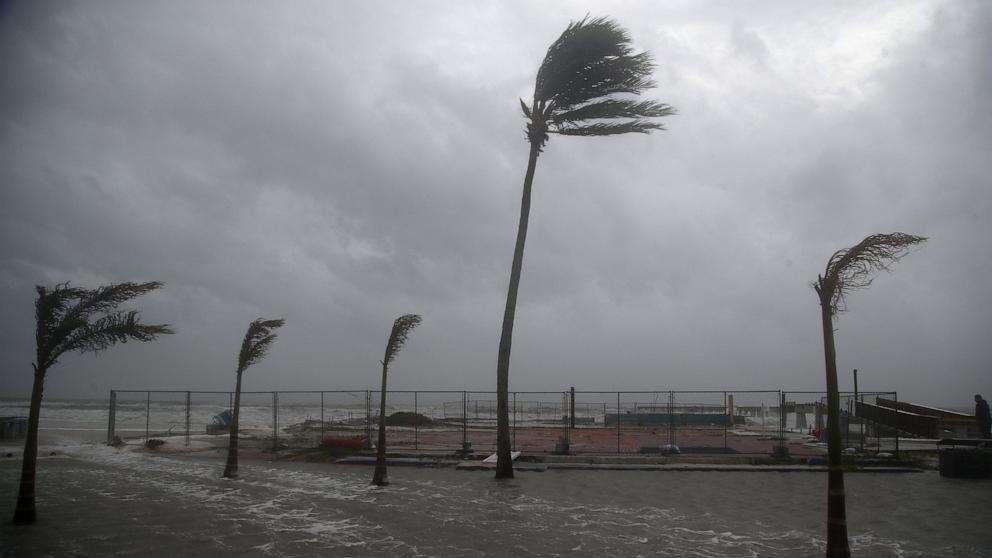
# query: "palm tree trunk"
(231, 469)
(504, 463)
(837, 544)
(24, 513)
(379, 477)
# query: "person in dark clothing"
(983, 416)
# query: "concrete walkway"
(593, 466)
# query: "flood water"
(94, 500)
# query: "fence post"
(187, 417)
(847, 425)
(565, 422)
(464, 419)
(781, 422)
(368, 419)
(112, 421)
(572, 406)
(513, 441)
(321, 441)
(728, 407)
(416, 422)
(895, 396)
(672, 439)
(879, 427)
(861, 422)
(148, 412)
(275, 420)
(618, 423)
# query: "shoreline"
(254, 448)
(214, 448)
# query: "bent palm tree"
(578, 92)
(397, 337)
(847, 270)
(74, 319)
(258, 339)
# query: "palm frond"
(51, 305)
(110, 296)
(397, 337)
(583, 43)
(603, 129)
(583, 71)
(119, 327)
(613, 108)
(63, 319)
(257, 341)
(49, 310)
(525, 108)
(856, 267)
(100, 299)
(604, 77)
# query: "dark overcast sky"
(338, 164)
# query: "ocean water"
(95, 500)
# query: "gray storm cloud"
(340, 164)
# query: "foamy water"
(96, 500)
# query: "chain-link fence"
(865, 426)
(565, 422)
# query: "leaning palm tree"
(73, 319)
(848, 269)
(397, 337)
(586, 86)
(258, 339)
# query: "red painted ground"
(602, 441)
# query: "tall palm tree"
(397, 337)
(586, 86)
(847, 270)
(258, 339)
(71, 319)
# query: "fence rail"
(570, 421)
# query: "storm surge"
(97, 500)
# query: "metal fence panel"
(573, 422)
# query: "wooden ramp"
(914, 419)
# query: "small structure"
(13, 428)
(928, 422)
(969, 458)
(221, 422)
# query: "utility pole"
(861, 422)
